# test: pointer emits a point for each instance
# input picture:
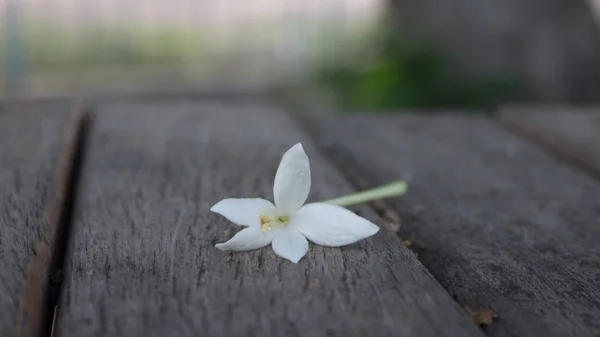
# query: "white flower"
(288, 223)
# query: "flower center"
(267, 222)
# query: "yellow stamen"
(265, 223)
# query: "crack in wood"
(51, 249)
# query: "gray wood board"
(33, 140)
(142, 258)
(573, 132)
(500, 224)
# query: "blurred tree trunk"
(552, 45)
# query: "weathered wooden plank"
(500, 224)
(35, 142)
(143, 261)
(571, 132)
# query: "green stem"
(394, 189)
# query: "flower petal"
(290, 245)
(330, 225)
(247, 239)
(244, 212)
(292, 180)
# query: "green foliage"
(408, 74)
(65, 50)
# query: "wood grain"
(35, 140)
(502, 225)
(143, 261)
(571, 132)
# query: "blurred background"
(352, 54)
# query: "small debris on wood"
(394, 227)
(483, 318)
(418, 244)
(392, 216)
(410, 246)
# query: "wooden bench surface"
(502, 225)
(143, 261)
(499, 225)
(35, 140)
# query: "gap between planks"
(45, 272)
(552, 144)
